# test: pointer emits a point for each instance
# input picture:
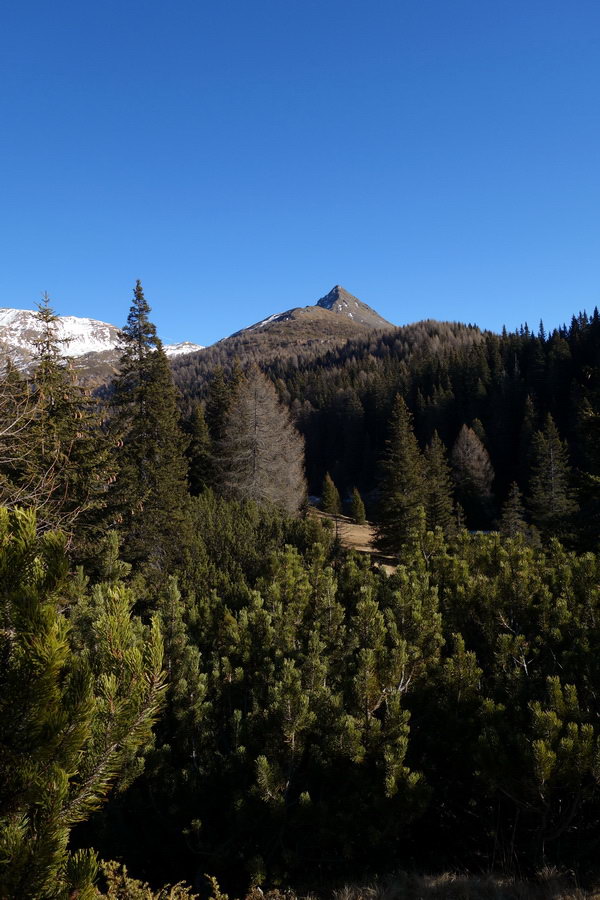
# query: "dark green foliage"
(450, 374)
(149, 498)
(402, 486)
(323, 718)
(357, 508)
(330, 497)
(75, 707)
(439, 503)
(199, 453)
(54, 452)
(512, 518)
(551, 498)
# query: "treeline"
(464, 386)
(197, 678)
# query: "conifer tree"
(527, 429)
(60, 452)
(439, 506)
(512, 518)
(199, 453)
(150, 497)
(331, 502)
(402, 486)
(75, 708)
(551, 498)
(220, 396)
(357, 508)
(589, 518)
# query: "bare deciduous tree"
(261, 455)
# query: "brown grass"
(360, 538)
(549, 885)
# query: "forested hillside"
(501, 387)
(199, 679)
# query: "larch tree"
(260, 455)
(150, 497)
(473, 476)
(402, 485)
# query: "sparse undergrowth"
(550, 884)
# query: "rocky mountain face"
(337, 313)
(92, 345)
(339, 301)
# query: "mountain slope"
(339, 301)
(337, 315)
(93, 345)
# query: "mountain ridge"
(338, 302)
(90, 343)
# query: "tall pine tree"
(551, 498)
(150, 497)
(439, 507)
(56, 449)
(402, 486)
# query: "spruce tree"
(199, 452)
(150, 498)
(551, 497)
(220, 396)
(61, 454)
(402, 486)
(512, 518)
(439, 505)
(357, 508)
(331, 502)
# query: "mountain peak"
(340, 301)
(338, 295)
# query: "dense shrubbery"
(322, 719)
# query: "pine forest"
(204, 685)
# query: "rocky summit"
(340, 301)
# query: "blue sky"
(439, 159)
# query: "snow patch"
(267, 320)
(181, 348)
(77, 336)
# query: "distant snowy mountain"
(182, 347)
(19, 329)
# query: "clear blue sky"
(439, 158)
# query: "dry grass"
(549, 885)
(360, 538)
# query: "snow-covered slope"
(19, 329)
(182, 347)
